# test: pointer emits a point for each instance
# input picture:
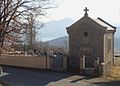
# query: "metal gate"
(56, 63)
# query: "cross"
(86, 14)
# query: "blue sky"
(108, 10)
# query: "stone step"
(89, 71)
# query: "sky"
(109, 10)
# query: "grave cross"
(86, 14)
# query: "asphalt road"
(31, 77)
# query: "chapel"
(91, 46)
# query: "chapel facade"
(91, 46)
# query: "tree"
(31, 33)
(13, 17)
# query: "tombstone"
(92, 38)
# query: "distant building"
(91, 46)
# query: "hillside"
(59, 42)
(117, 40)
(64, 41)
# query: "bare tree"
(13, 17)
(31, 33)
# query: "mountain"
(55, 29)
(117, 40)
(64, 42)
(117, 45)
(117, 33)
(59, 42)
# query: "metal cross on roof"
(86, 14)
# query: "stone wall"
(36, 62)
(25, 61)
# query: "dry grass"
(114, 73)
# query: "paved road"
(30, 77)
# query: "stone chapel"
(91, 46)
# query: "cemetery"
(91, 52)
(88, 54)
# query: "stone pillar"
(83, 60)
(97, 60)
(82, 63)
(103, 68)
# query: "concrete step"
(89, 71)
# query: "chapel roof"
(99, 21)
(104, 23)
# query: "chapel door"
(89, 60)
(87, 57)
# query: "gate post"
(82, 64)
(97, 65)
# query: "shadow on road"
(108, 83)
(83, 78)
(30, 77)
